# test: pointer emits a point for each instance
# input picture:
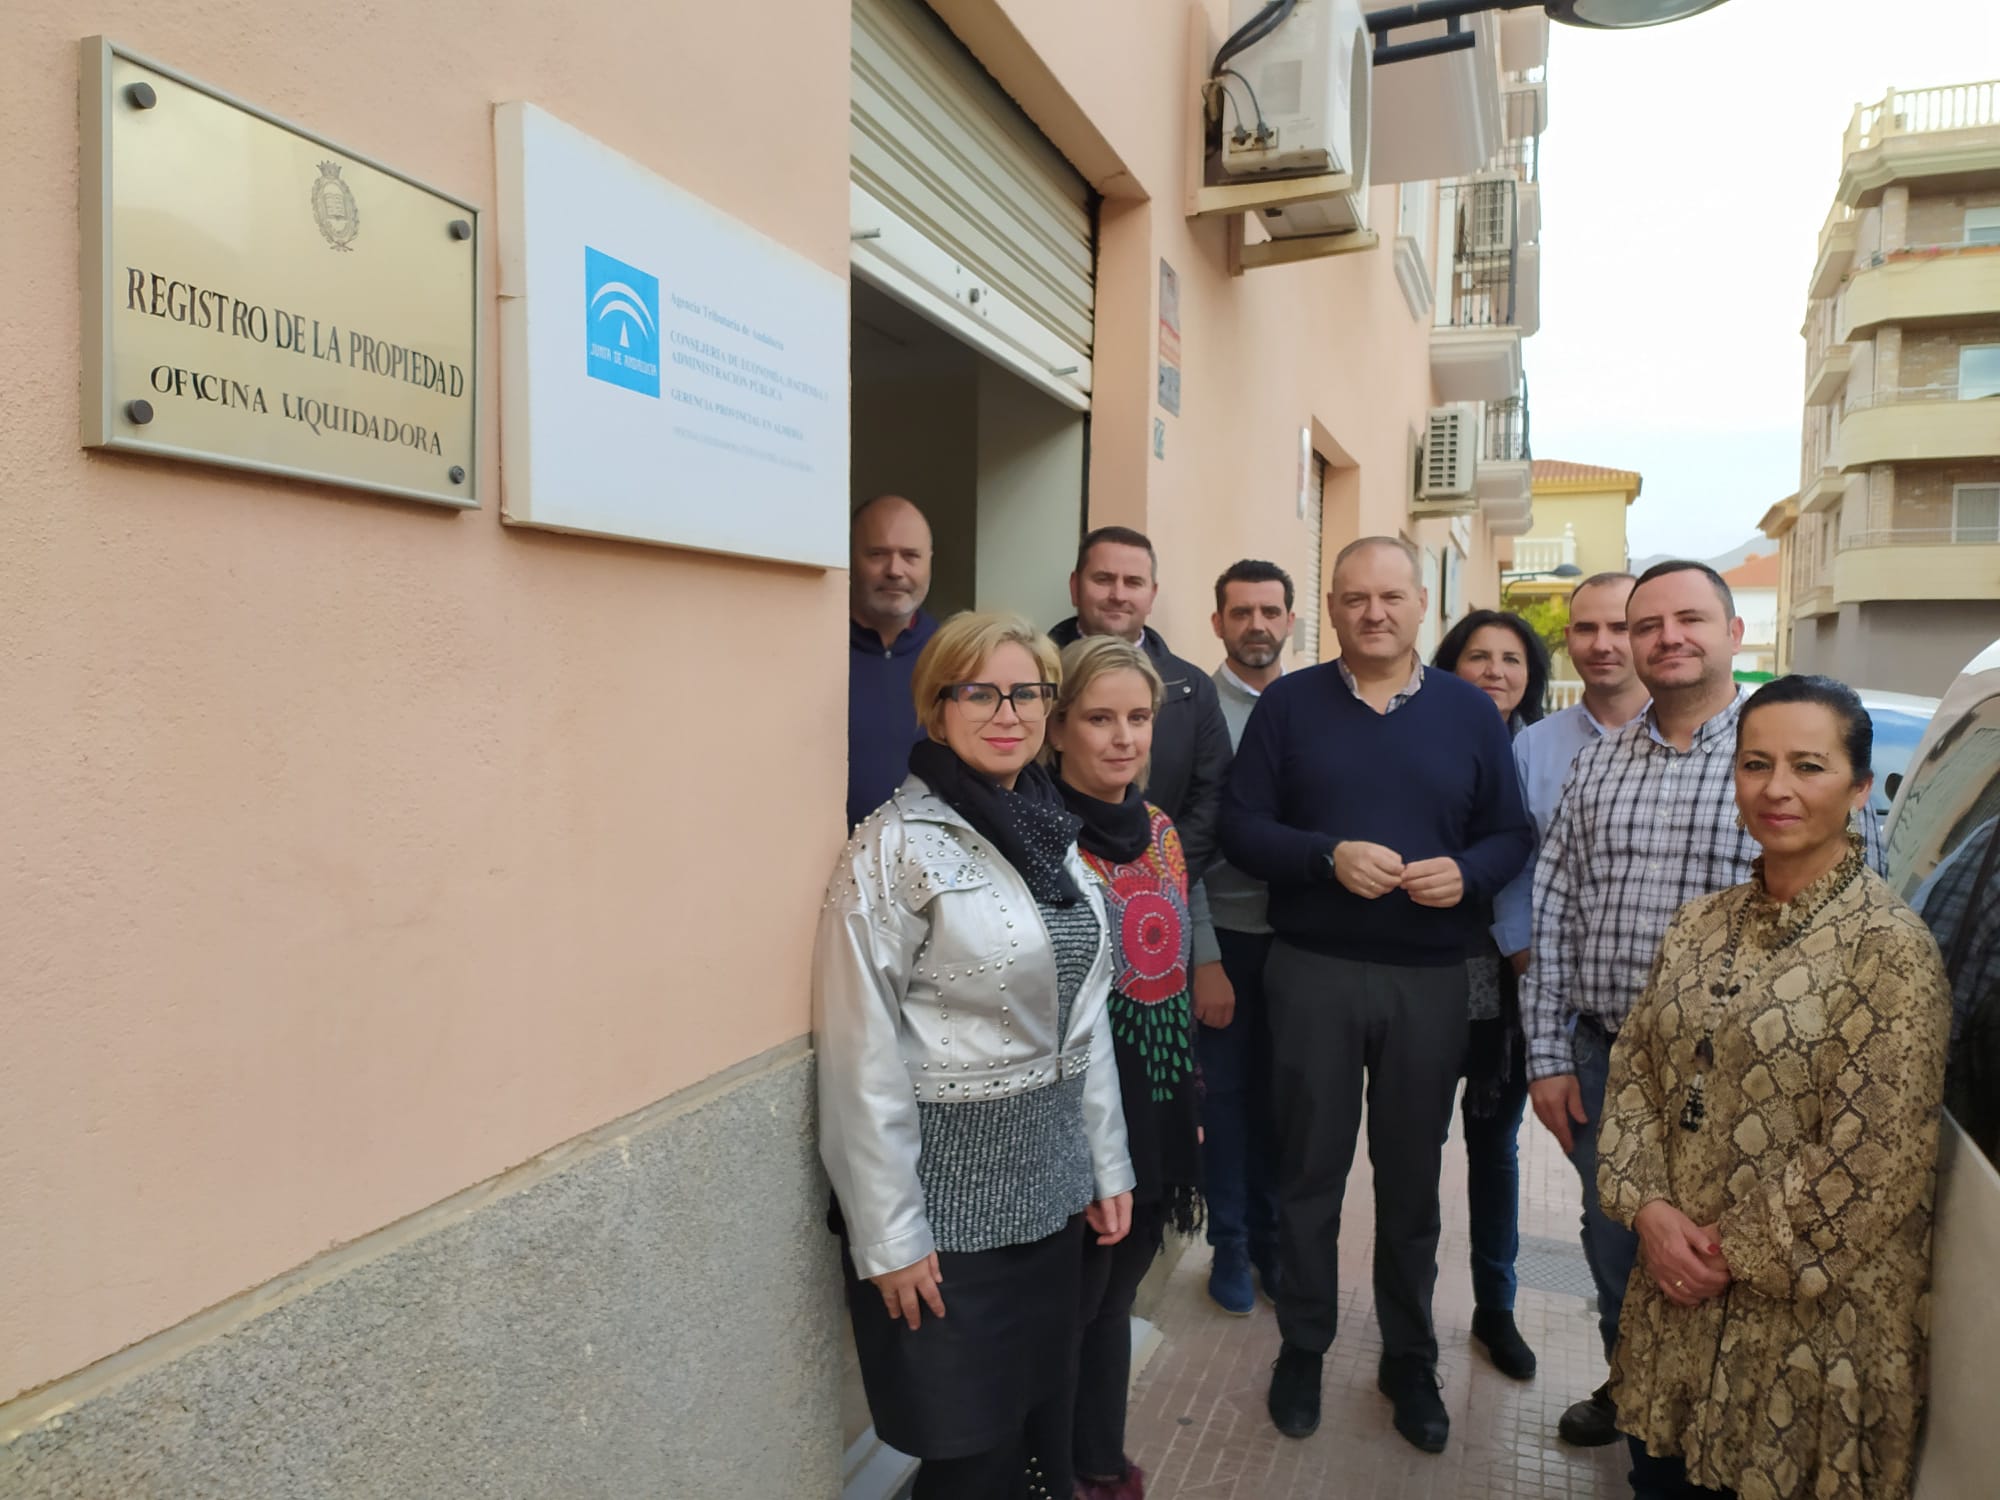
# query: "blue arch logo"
(621, 323)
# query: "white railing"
(1958, 106)
(1544, 554)
(1564, 692)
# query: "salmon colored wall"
(355, 851)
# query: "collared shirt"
(1408, 692)
(1641, 829)
(1227, 674)
(1543, 754)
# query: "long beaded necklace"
(1722, 991)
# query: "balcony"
(1536, 559)
(1914, 423)
(1823, 492)
(1838, 239)
(1506, 467)
(1924, 133)
(1922, 283)
(1905, 562)
(1827, 360)
(1817, 600)
(1826, 379)
(1476, 338)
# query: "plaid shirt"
(1642, 829)
(1409, 689)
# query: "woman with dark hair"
(1770, 1131)
(1500, 654)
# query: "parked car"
(1900, 721)
(1943, 849)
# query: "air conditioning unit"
(1448, 462)
(1301, 108)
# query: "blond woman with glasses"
(968, 1096)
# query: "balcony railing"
(1960, 106)
(1939, 251)
(1919, 536)
(1506, 440)
(1909, 395)
(1544, 554)
(1522, 154)
(1478, 219)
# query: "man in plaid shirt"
(1647, 823)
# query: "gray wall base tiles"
(655, 1317)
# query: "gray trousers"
(1343, 1031)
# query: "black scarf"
(1117, 831)
(1029, 826)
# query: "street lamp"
(1598, 15)
(1560, 570)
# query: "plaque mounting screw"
(460, 229)
(139, 412)
(456, 474)
(141, 95)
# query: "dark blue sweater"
(881, 716)
(1317, 766)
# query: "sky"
(1685, 174)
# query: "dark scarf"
(1029, 826)
(1117, 831)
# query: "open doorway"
(996, 464)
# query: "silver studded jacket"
(934, 978)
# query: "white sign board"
(666, 374)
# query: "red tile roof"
(1760, 572)
(1556, 471)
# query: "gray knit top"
(1014, 1170)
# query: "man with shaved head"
(889, 575)
(1379, 801)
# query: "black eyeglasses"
(981, 700)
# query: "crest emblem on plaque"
(334, 208)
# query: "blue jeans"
(1609, 1246)
(1239, 1149)
(1493, 1193)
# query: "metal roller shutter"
(961, 208)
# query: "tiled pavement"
(1198, 1426)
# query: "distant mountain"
(1757, 546)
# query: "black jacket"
(1190, 748)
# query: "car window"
(1944, 858)
(1898, 732)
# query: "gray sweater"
(1235, 901)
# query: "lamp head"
(1625, 15)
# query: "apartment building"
(408, 1071)
(1891, 547)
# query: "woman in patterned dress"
(1102, 733)
(1770, 1131)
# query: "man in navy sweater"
(1380, 802)
(889, 576)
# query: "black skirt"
(965, 1383)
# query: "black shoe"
(1294, 1398)
(1410, 1381)
(1509, 1352)
(1592, 1422)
